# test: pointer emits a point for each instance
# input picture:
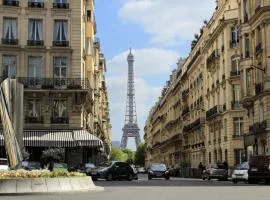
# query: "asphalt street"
(175, 188)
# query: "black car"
(114, 170)
(158, 170)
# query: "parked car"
(240, 173)
(87, 168)
(259, 169)
(141, 170)
(31, 165)
(3, 164)
(61, 165)
(215, 171)
(158, 170)
(114, 170)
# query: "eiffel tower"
(131, 128)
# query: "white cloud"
(169, 22)
(148, 62)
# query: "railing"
(59, 120)
(236, 104)
(35, 42)
(235, 72)
(11, 3)
(61, 5)
(214, 111)
(33, 120)
(36, 4)
(260, 127)
(214, 55)
(185, 93)
(54, 83)
(259, 48)
(10, 41)
(185, 111)
(60, 43)
(258, 88)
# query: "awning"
(46, 138)
(58, 138)
(85, 139)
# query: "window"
(238, 126)
(9, 67)
(261, 113)
(88, 15)
(35, 29)
(10, 28)
(60, 1)
(34, 70)
(60, 71)
(239, 156)
(60, 30)
(234, 36)
(34, 108)
(59, 108)
(247, 53)
(89, 47)
(235, 65)
(236, 93)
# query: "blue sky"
(159, 31)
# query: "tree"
(118, 154)
(140, 155)
(130, 155)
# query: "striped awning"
(85, 139)
(58, 138)
(47, 138)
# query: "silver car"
(240, 173)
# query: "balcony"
(234, 43)
(235, 73)
(10, 41)
(213, 57)
(61, 5)
(36, 4)
(63, 43)
(185, 111)
(33, 120)
(215, 111)
(54, 83)
(258, 88)
(259, 49)
(35, 42)
(260, 127)
(59, 120)
(236, 105)
(185, 93)
(11, 3)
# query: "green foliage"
(57, 154)
(118, 154)
(140, 155)
(130, 155)
(25, 154)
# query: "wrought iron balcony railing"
(11, 3)
(236, 104)
(61, 5)
(235, 73)
(215, 110)
(58, 43)
(55, 83)
(35, 42)
(59, 120)
(36, 4)
(258, 88)
(33, 120)
(260, 127)
(10, 41)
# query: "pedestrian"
(201, 167)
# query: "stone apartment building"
(51, 48)
(223, 90)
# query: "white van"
(3, 164)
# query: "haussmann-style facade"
(214, 108)
(50, 47)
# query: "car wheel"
(234, 181)
(167, 178)
(203, 178)
(109, 177)
(130, 177)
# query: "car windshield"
(60, 165)
(158, 167)
(90, 165)
(105, 164)
(243, 166)
(3, 162)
